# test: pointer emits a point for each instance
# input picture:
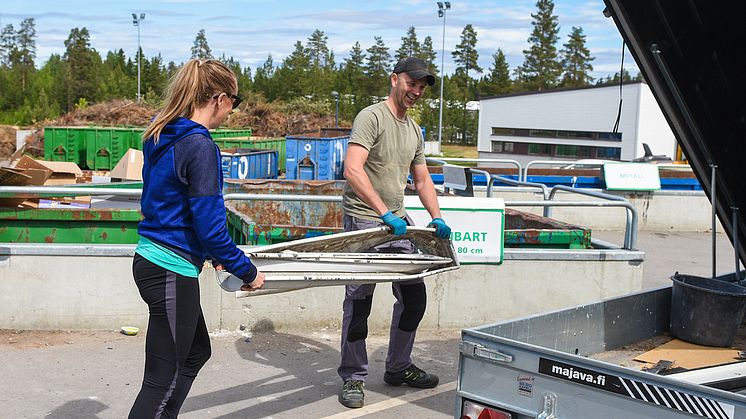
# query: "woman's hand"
(254, 285)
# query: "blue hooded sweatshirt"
(182, 201)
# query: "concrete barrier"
(90, 287)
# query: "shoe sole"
(397, 383)
(351, 404)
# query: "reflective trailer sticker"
(526, 385)
(638, 390)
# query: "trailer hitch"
(549, 407)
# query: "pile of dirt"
(262, 118)
(7, 141)
(116, 112)
(267, 122)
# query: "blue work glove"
(398, 226)
(441, 228)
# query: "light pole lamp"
(136, 21)
(336, 108)
(442, 7)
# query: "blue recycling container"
(315, 157)
(249, 163)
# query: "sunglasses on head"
(236, 99)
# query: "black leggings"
(177, 344)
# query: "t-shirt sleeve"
(419, 154)
(365, 129)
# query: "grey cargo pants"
(411, 299)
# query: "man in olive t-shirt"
(384, 147)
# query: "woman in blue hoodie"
(183, 225)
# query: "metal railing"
(493, 178)
(630, 229)
(444, 160)
(524, 174)
(630, 236)
(57, 191)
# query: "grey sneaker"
(352, 394)
(411, 376)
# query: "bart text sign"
(477, 225)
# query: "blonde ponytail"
(192, 86)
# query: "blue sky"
(249, 30)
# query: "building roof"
(562, 89)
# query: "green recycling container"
(104, 147)
(65, 144)
(225, 133)
(69, 225)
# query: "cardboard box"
(61, 173)
(29, 172)
(129, 167)
(14, 177)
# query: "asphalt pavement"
(88, 375)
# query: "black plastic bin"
(706, 311)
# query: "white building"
(572, 124)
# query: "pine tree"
(427, 54)
(466, 55)
(7, 45)
(377, 68)
(498, 81)
(154, 77)
(243, 76)
(80, 63)
(52, 77)
(352, 80)
(26, 50)
(410, 46)
(576, 63)
(293, 74)
(317, 49)
(541, 67)
(115, 81)
(321, 72)
(263, 79)
(200, 49)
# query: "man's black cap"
(416, 68)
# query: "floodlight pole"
(442, 13)
(136, 21)
(336, 108)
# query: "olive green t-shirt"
(393, 146)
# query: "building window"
(542, 133)
(610, 136)
(578, 135)
(502, 131)
(609, 153)
(567, 150)
(540, 149)
(502, 147)
(550, 133)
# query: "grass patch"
(467, 152)
(459, 151)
